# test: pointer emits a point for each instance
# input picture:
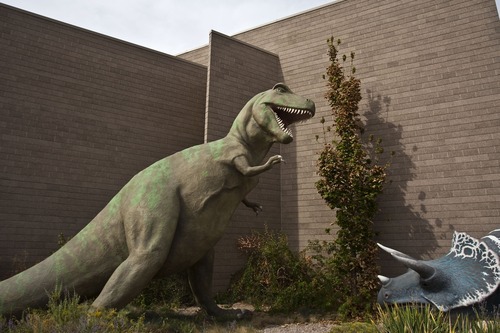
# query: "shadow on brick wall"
(400, 223)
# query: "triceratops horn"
(383, 279)
(424, 270)
(393, 252)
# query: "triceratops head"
(468, 274)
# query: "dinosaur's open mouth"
(286, 116)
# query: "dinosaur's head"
(467, 275)
(276, 109)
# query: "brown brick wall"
(430, 85)
(80, 113)
(429, 72)
(199, 55)
(236, 73)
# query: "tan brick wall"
(80, 113)
(236, 73)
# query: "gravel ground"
(321, 327)
(287, 324)
(265, 323)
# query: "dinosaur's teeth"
(295, 111)
(280, 123)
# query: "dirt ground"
(275, 323)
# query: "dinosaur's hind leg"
(200, 280)
(149, 237)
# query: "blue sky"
(169, 26)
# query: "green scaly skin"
(167, 218)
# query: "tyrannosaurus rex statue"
(168, 217)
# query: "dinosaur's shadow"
(401, 222)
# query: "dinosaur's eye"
(281, 90)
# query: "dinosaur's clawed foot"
(255, 206)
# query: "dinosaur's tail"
(26, 289)
(73, 268)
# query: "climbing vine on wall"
(351, 179)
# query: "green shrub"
(350, 182)
(274, 276)
(172, 291)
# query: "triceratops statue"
(469, 274)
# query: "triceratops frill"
(469, 274)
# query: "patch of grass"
(425, 318)
(65, 313)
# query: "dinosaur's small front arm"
(241, 164)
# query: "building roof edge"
(307, 11)
(100, 34)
